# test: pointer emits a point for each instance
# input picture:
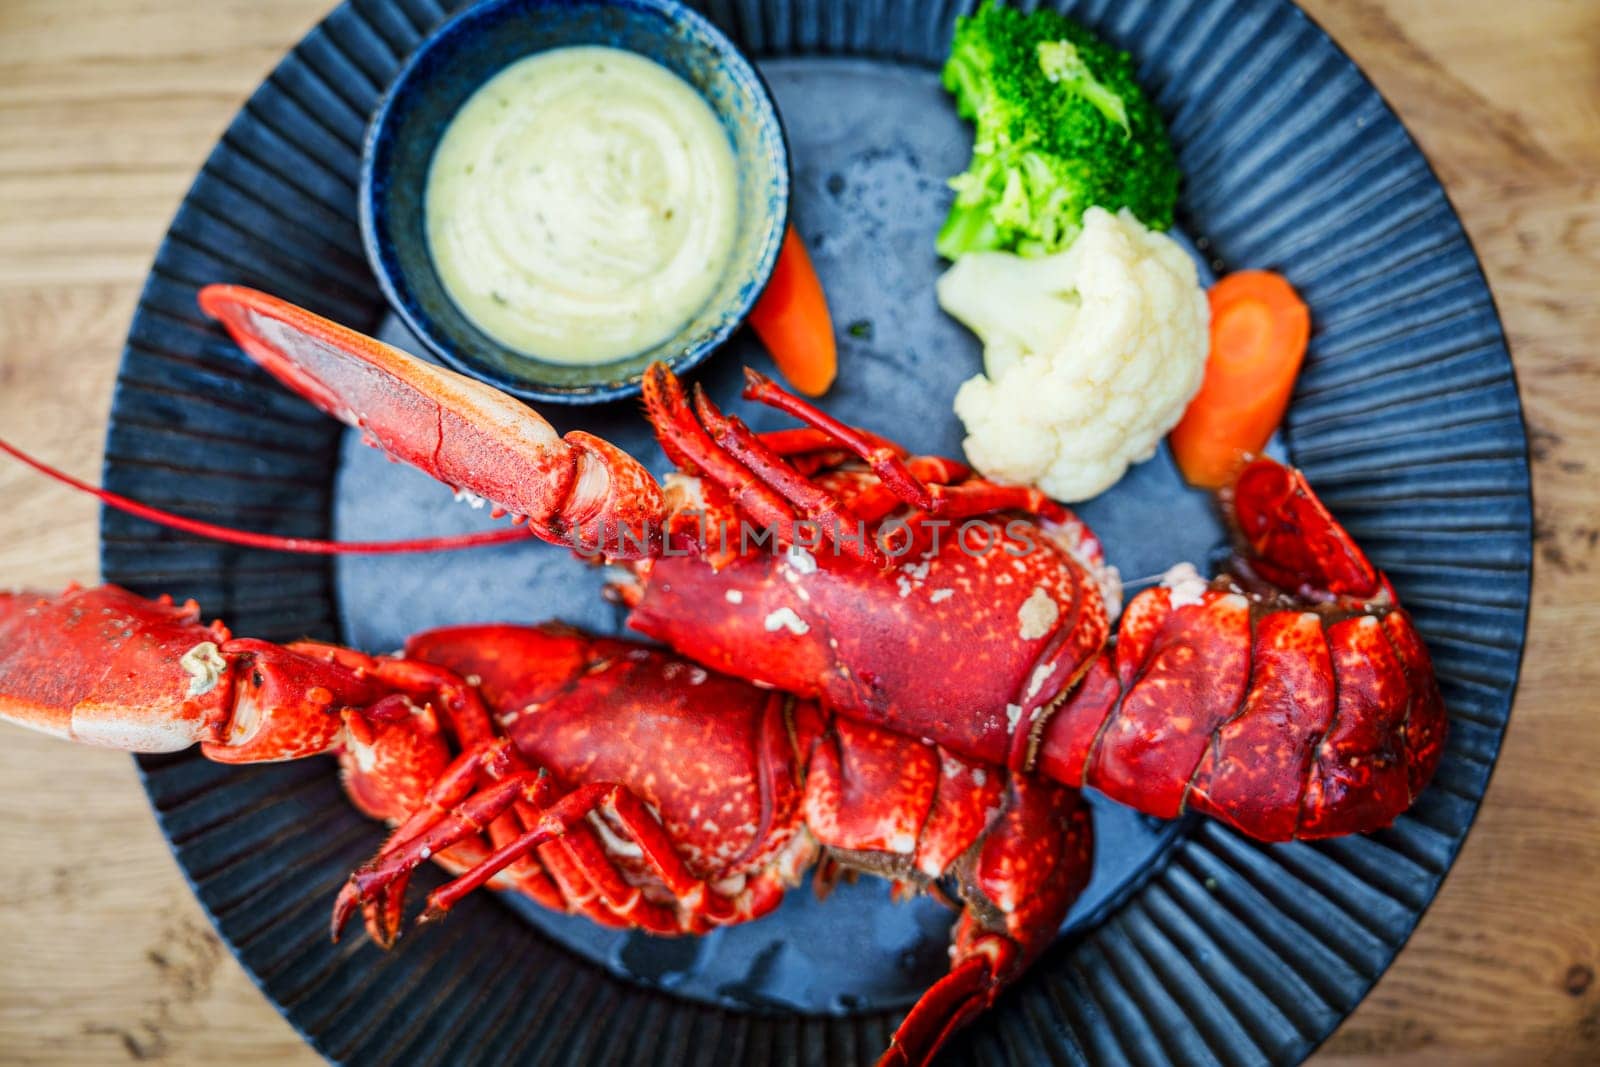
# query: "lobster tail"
(1018, 885)
(952, 1001)
(1291, 699)
(1287, 536)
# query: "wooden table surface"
(107, 108)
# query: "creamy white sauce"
(582, 204)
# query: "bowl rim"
(395, 284)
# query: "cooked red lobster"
(910, 612)
(598, 776)
(1292, 697)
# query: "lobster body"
(968, 637)
(754, 785)
(601, 777)
(1291, 698)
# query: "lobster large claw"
(578, 490)
(102, 666)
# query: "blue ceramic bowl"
(451, 65)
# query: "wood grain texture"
(107, 107)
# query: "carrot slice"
(792, 320)
(1259, 329)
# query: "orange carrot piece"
(1259, 329)
(792, 320)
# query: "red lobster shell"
(601, 777)
(1293, 698)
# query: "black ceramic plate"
(1193, 945)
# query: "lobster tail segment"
(1018, 884)
(1287, 536)
(948, 1005)
(576, 491)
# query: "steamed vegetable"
(1259, 329)
(792, 320)
(1091, 354)
(1061, 126)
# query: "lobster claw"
(285, 705)
(578, 490)
(104, 667)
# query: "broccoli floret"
(1061, 125)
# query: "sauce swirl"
(582, 204)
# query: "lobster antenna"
(310, 546)
(1127, 583)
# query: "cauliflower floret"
(1091, 354)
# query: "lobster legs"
(541, 814)
(759, 474)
